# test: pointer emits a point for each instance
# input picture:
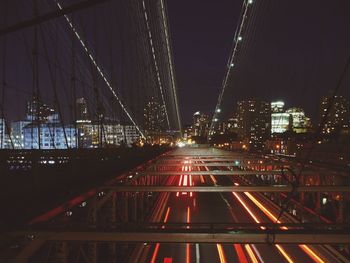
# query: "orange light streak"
(213, 179)
(155, 252)
(251, 254)
(154, 257)
(188, 215)
(221, 253)
(284, 253)
(188, 256)
(311, 253)
(264, 209)
(247, 209)
(166, 216)
(305, 248)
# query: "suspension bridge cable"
(170, 62)
(99, 70)
(150, 39)
(230, 65)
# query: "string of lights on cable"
(237, 40)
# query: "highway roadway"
(200, 207)
(223, 208)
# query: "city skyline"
(175, 131)
(314, 120)
(264, 70)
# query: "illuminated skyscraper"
(299, 122)
(338, 115)
(254, 122)
(39, 112)
(277, 106)
(280, 120)
(200, 125)
(232, 124)
(154, 116)
(154, 121)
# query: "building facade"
(337, 118)
(280, 120)
(200, 125)
(299, 122)
(254, 122)
(17, 133)
(52, 136)
(2, 133)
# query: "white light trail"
(92, 59)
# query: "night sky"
(293, 50)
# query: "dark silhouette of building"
(81, 109)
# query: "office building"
(200, 125)
(17, 134)
(299, 122)
(254, 122)
(337, 119)
(52, 136)
(154, 117)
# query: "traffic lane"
(274, 208)
(185, 208)
(206, 253)
(179, 212)
(293, 251)
(266, 214)
(231, 211)
(267, 211)
(255, 214)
